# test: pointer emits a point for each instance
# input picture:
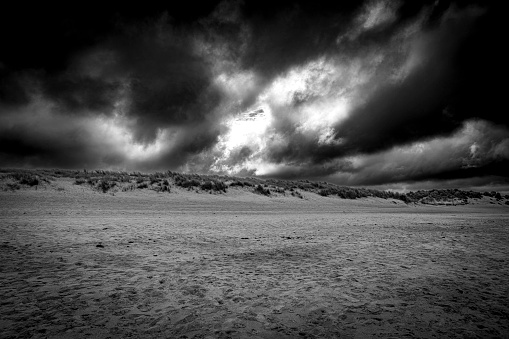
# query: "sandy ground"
(82, 264)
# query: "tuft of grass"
(237, 183)
(260, 190)
(213, 185)
(297, 194)
(80, 181)
(13, 186)
(106, 185)
(26, 178)
(188, 183)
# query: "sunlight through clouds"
(287, 90)
(249, 130)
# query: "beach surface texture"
(80, 263)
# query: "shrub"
(405, 198)
(188, 183)
(130, 187)
(297, 194)
(237, 183)
(220, 186)
(13, 186)
(351, 195)
(26, 178)
(279, 190)
(306, 187)
(259, 189)
(324, 193)
(213, 185)
(58, 173)
(207, 185)
(80, 181)
(30, 180)
(105, 185)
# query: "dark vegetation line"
(167, 181)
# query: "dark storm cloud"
(432, 101)
(435, 98)
(75, 93)
(144, 70)
(192, 142)
(271, 38)
(277, 45)
(477, 149)
(290, 33)
(169, 84)
(12, 88)
(400, 113)
(315, 171)
(39, 139)
(153, 66)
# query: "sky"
(386, 94)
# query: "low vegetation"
(113, 181)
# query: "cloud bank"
(373, 93)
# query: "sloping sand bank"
(81, 264)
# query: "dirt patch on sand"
(82, 264)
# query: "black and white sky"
(375, 93)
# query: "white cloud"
(377, 13)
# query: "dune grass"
(106, 181)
